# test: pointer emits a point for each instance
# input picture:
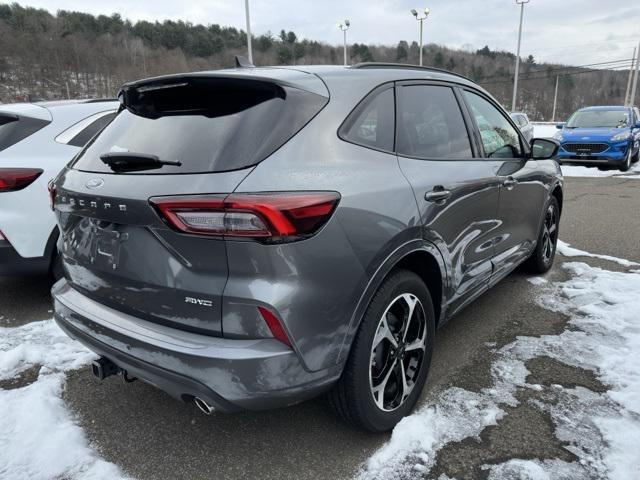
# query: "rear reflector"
(12, 179)
(274, 325)
(273, 216)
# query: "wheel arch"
(559, 196)
(418, 256)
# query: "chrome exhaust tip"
(203, 406)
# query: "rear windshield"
(206, 124)
(14, 128)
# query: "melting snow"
(39, 439)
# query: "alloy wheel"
(397, 352)
(550, 233)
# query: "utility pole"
(249, 51)
(344, 26)
(421, 20)
(626, 93)
(555, 100)
(515, 77)
(632, 96)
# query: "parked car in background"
(254, 237)
(603, 137)
(36, 141)
(523, 123)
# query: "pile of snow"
(602, 430)
(547, 130)
(39, 439)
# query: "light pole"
(420, 19)
(632, 93)
(344, 26)
(555, 100)
(633, 63)
(515, 77)
(249, 51)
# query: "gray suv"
(255, 237)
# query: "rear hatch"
(190, 135)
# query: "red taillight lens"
(283, 216)
(52, 193)
(274, 325)
(12, 179)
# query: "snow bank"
(602, 430)
(39, 439)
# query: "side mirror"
(544, 148)
(560, 125)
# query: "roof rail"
(407, 66)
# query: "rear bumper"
(229, 374)
(11, 263)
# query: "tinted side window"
(372, 124)
(430, 123)
(14, 129)
(499, 138)
(86, 134)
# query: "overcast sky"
(564, 31)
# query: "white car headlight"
(620, 136)
(558, 136)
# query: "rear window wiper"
(134, 162)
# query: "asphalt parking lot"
(150, 436)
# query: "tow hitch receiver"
(103, 368)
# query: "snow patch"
(537, 280)
(39, 343)
(39, 439)
(567, 250)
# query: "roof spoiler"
(242, 62)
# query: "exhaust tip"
(203, 406)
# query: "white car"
(36, 141)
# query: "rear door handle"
(510, 182)
(438, 194)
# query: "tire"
(636, 157)
(541, 260)
(368, 395)
(627, 163)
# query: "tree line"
(78, 55)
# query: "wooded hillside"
(78, 55)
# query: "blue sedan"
(603, 137)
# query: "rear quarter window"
(206, 124)
(14, 129)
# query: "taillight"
(274, 325)
(12, 179)
(267, 216)
(52, 193)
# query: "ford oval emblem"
(95, 183)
